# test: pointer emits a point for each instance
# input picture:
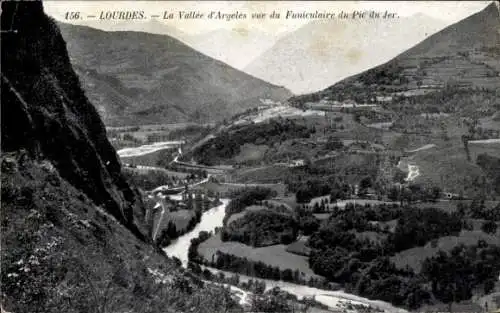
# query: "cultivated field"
(272, 255)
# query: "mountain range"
(141, 78)
(236, 47)
(323, 52)
(465, 55)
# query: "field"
(272, 255)
(251, 152)
(299, 247)
(180, 219)
(374, 237)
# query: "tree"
(274, 301)
(465, 140)
(334, 143)
(489, 227)
(365, 183)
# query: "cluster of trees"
(331, 177)
(450, 99)
(381, 279)
(375, 279)
(193, 173)
(232, 263)
(152, 179)
(193, 255)
(189, 131)
(334, 143)
(312, 189)
(170, 233)
(413, 193)
(478, 210)
(418, 226)
(307, 222)
(388, 74)
(491, 165)
(415, 227)
(262, 228)
(489, 227)
(148, 180)
(244, 197)
(363, 265)
(454, 275)
(227, 144)
(312, 186)
(167, 235)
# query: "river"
(209, 221)
(213, 218)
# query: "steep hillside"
(141, 78)
(73, 236)
(463, 55)
(46, 113)
(323, 52)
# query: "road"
(147, 149)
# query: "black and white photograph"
(250, 156)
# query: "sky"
(448, 11)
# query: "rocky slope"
(142, 78)
(50, 117)
(73, 236)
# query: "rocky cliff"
(45, 111)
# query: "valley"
(353, 168)
(322, 188)
(141, 175)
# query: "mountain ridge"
(463, 54)
(169, 75)
(321, 52)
